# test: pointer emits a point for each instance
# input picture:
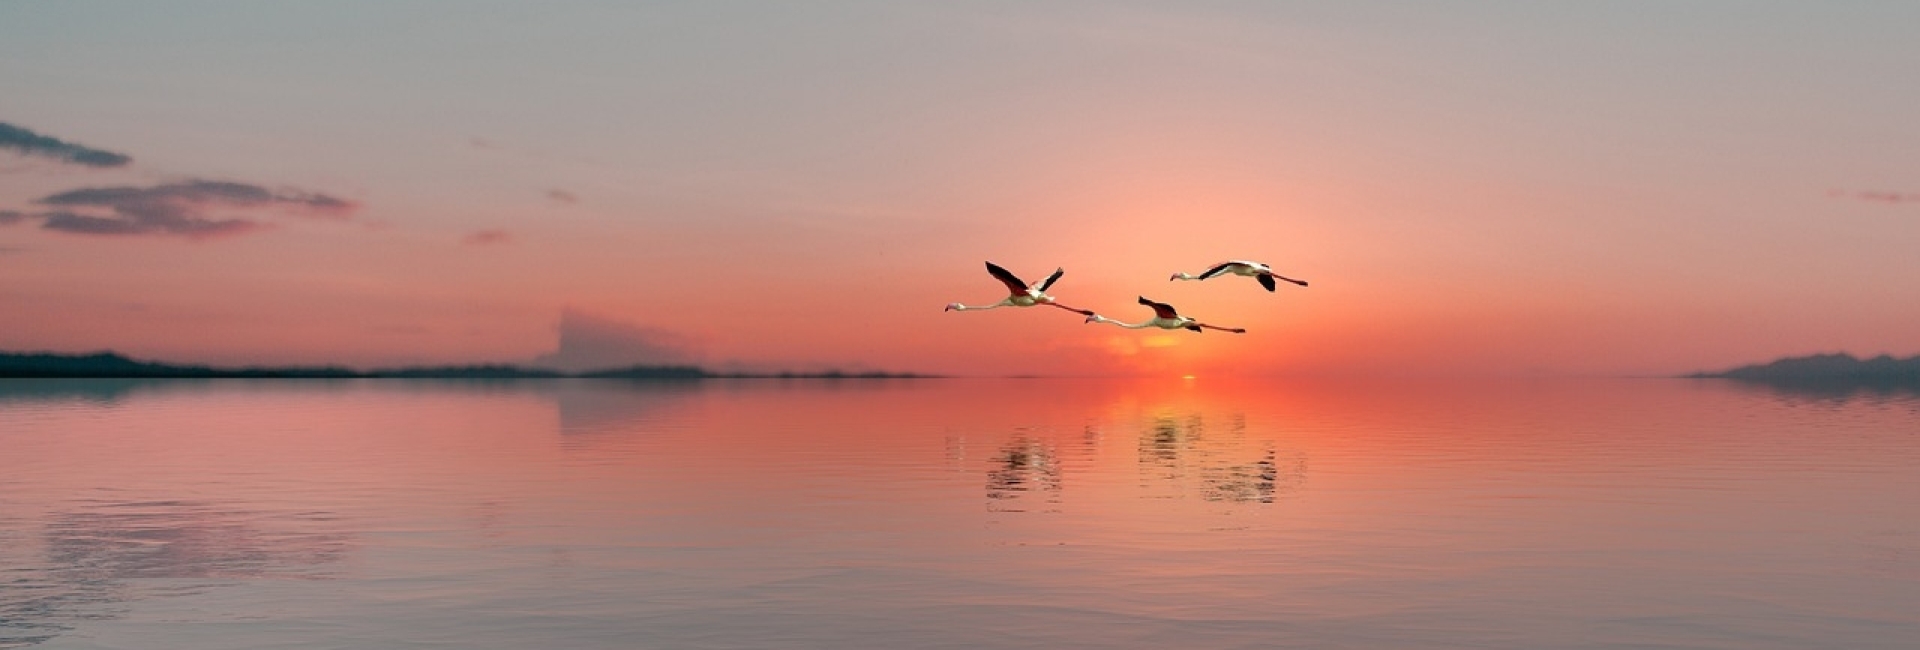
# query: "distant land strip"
(112, 365)
(1828, 370)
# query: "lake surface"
(956, 513)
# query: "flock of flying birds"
(1022, 294)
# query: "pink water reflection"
(986, 513)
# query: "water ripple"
(96, 556)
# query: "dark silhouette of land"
(1829, 372)
(112, 365)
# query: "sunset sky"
(1471, 188)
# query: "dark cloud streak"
(184, 209)
(192, 227)
(29, 143)
(197, 193)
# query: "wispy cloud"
(201, 193)
(487, 237)
(563, 196)
(1876, 196)
(188, 209)
(28, 143)
(190, 227)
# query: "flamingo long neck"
(1131, 326)
(960, 307)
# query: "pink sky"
(1471, 190)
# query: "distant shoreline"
(1827, 370)
(112, 365)
(1822, 370)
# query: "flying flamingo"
(1240, 267)
(1164, 317)
(1019, 293)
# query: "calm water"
(956, 514)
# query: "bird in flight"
(1259, 271)
(1019, 293)
(1164, 317)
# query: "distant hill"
(104, 365)
(113, 365)
(489, 371)
(695, 372)
(1829, 369)
(650, 372)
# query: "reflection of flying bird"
(1164, 317)
(1257, 270)
(1020, 294)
